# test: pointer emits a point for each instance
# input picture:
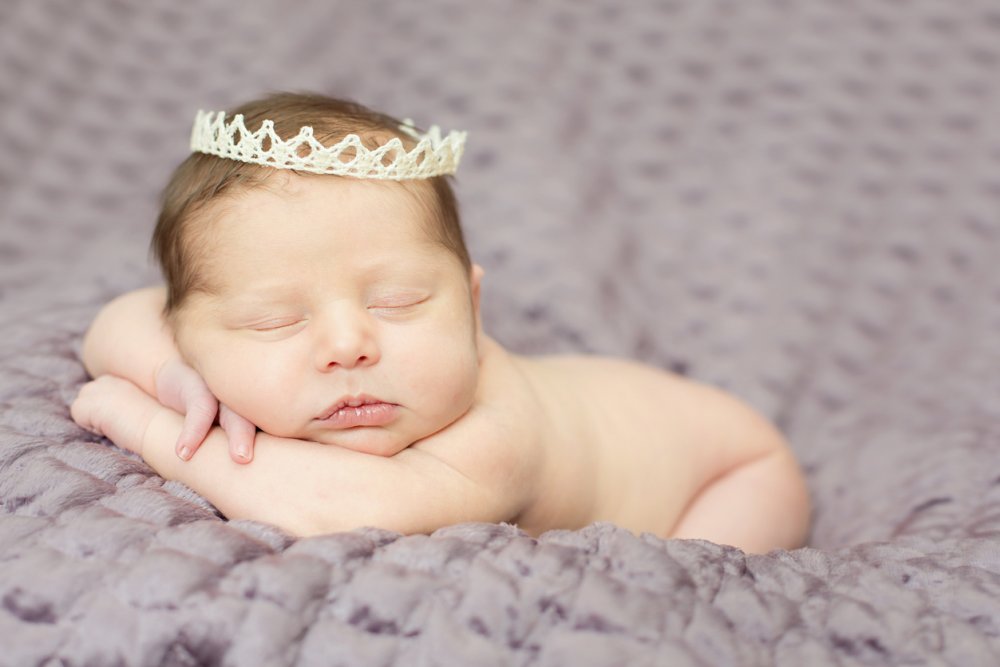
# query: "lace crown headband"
(432, 156)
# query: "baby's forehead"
(284, 188)
(392, 223)
(277, 289)
(413, 208)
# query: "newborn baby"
(340, 315)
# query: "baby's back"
(573, 439)
(622, 433)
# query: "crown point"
(432, 155)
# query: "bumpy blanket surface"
(795, 201)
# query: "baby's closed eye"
(278, 325)
(397, 301)
(261, 319)
(281, 323)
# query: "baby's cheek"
(454, 379)
(252, 384)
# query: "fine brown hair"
(202, 179)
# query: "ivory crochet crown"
(432, 156)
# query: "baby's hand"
(116, 409)
(178, 386)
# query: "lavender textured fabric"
(796, 201)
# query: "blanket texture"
(795, 201)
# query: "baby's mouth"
(359, 411)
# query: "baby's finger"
(240, 433)
(82, 410)
(197, 422)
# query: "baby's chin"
(374, 440)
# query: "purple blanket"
(795, 201)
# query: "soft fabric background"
(796, 201)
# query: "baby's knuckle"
(204, 409)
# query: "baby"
(339, 313)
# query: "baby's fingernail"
(243, 453)
(185, 453)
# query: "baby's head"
(291, 292)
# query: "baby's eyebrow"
(404, 271)
(395, 267)
(256, 299)
(409, 272)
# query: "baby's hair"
(202, 179)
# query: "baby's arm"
(129, 339)
(303, 487)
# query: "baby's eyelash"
(391, 306)
(398, 303)
(272, 325)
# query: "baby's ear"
(475, 278)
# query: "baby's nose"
(345, 340)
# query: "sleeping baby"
(319, 289)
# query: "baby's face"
(325, 290)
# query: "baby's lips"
(350, 401)
(367, 414)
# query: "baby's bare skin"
(598, 439)
(548, 442)
(308, 305)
